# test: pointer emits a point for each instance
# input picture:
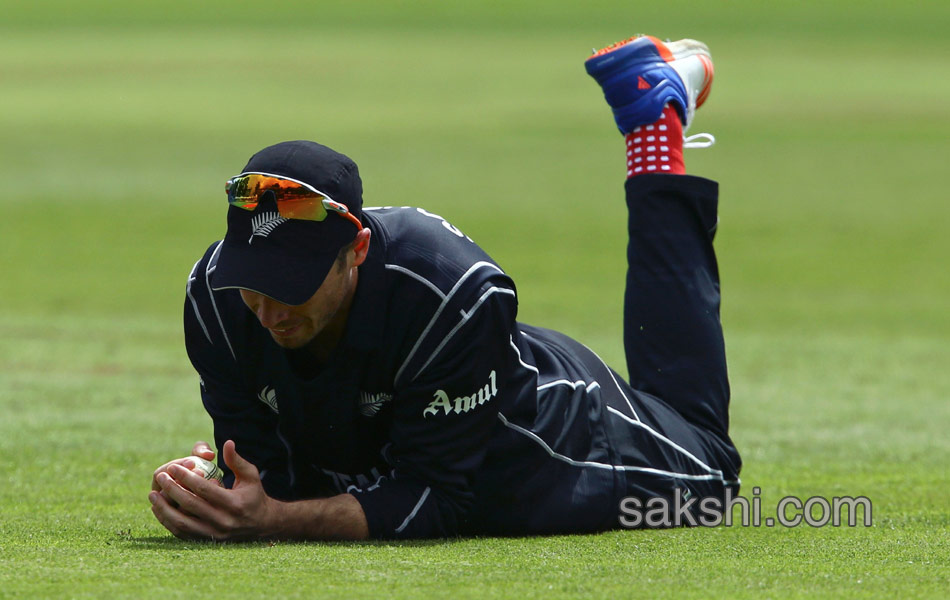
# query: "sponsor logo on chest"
(370, 404)
(343, 482)
(268, 396)
(442, 403)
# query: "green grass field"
(120, 125)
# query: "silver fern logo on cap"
(263, 224)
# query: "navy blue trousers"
(673, 341)
(672, 333)
(663, 432)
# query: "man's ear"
(361, 248)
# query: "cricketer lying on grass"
(367, 377)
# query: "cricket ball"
(206, 468)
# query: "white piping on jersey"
(622, 393)
(412, 515)
(609, 372)
(465, 317)
(418, 278)
(588, 463)
(593, 385)
(662, 437)
(523, 363)
(636, 421)
(290, 457)
(493, 289)
(194, 304)
(214, 305)
(438, 312)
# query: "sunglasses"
(294, 199)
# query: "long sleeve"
(237, 412)
(445, 412)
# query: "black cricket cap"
(288, 260)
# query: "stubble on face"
(320, 320)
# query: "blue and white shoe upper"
(640, 76)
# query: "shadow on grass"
(158, 542)
(169, 542)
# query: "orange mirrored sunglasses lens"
(294, 201)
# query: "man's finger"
(203, 449)
(163, 469)
(243, 470)
(196, 485)
(193, 504)
(180, 524)
(172, 490)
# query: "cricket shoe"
(639, 76)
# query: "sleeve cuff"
(399, 509)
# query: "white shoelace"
(699, 140)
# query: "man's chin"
(292, 342)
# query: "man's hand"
(192, 507)
(201, 449)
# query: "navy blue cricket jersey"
(438, 411)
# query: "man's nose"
(271, 312)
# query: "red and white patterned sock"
(656, 148)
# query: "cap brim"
(288, 279)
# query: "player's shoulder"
(198, 284)
(426, 247)
(439, 285)
(210, 315)
(207, 260)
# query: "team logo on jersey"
(463, 404)
(268, 396)
(345, 482)
(263, 224)
(370, 404)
